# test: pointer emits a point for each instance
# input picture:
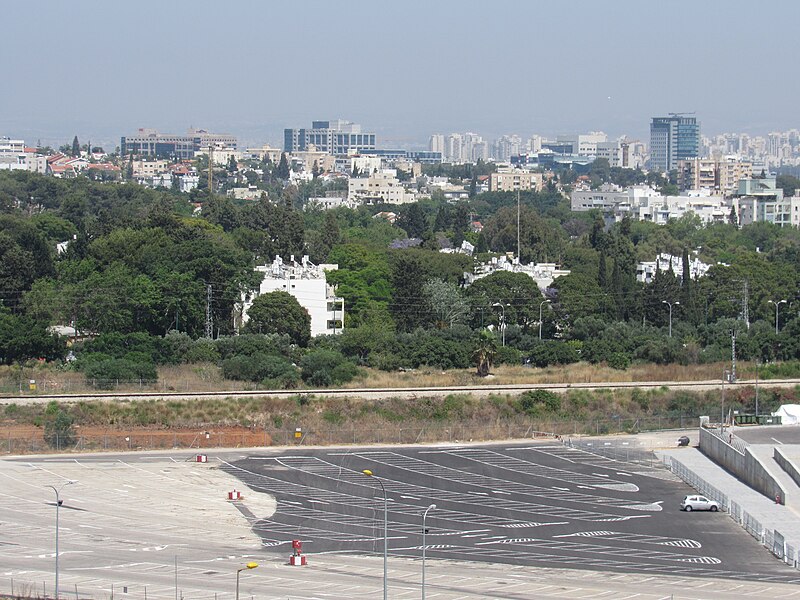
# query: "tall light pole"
(670, 304)
(424, 531)
(541, 304)
(58, 505)
(722, 400)
(777, 304)
(369, 473)
(502, 320)
(250, 565)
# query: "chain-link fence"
(116, 439)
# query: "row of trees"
(137, 262)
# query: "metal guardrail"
(697, 482)
(730, 438)
(771, 539)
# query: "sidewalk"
(770, 515)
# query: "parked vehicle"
(694, 502)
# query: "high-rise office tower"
(673, 138)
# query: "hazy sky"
(102, 69)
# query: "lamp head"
(251, 565)
(431, 507)
(368, 473)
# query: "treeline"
(138, 263)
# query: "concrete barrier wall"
(743, 465)
(787, 465)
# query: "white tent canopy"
(789, 414)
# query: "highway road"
(410, 392)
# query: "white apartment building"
(643, 203)
(719, 174)
(307, 283)
(436, 143)
(512, 180)
(328, 203)
(265, 152)
(608, 197)
(645, 271)
(251, 192)
(542, 273)
(583, 144)
(784, 212)
(12, 155)
(149, 168)
(660, 209)
(366, 165)
(382, 187)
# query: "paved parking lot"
(542, 504)
(512, 521)
(769, 434)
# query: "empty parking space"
(539, 504)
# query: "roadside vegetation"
(342, 419)
(142, 280)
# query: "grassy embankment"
(454, 416)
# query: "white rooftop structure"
(307, 283)
(542, 273)
(645, 271)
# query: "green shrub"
(781, 370)
(58, 430)
(322, 368)
(108, 372)
(506, 355)
(619, 360)
(249, 345)
(259, 367)
(202, 351)
(539, 402)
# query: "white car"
(691, 503)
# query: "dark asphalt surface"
(779, 434)
(539, 504)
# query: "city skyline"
(404, 72)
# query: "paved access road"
(775, 435)
(538, 504)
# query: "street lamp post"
(424, 531)
(777, 304)
(670, 304)
(502, 320)
(250, 565)
(58, 505)
(369, 473)
(541, 304)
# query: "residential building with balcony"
(307, 283)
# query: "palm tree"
(485, 351)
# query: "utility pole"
(733, 356)
(519, 257)
(209, 313)
(745, 303)
(210, 169)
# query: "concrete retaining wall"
(787, 465)
(743, 465)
